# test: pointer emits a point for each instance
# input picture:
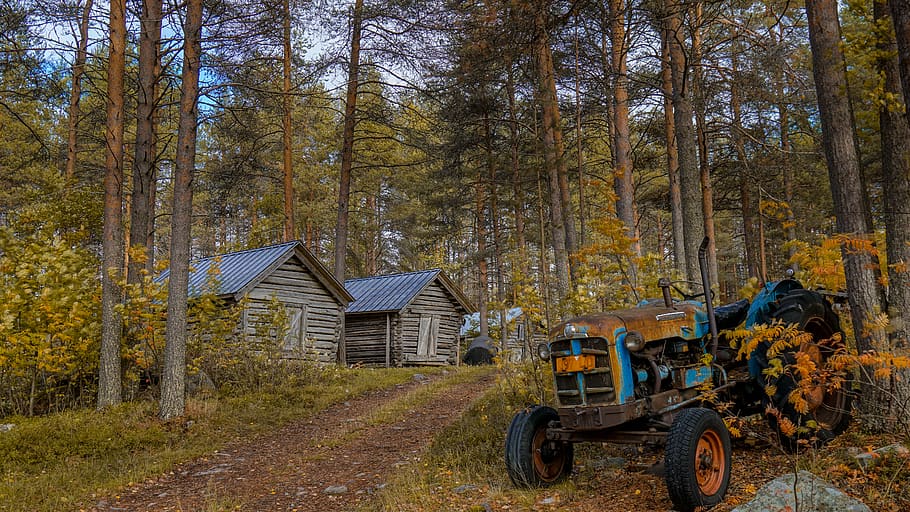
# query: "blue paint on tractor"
(760, 309)
(642, 375)
(579, 376)
(692, 376)
(624, 382)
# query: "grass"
(67, 460)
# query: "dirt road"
(332, 461)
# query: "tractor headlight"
(634, 341)
(543, 351)
(569, 330)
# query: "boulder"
(869, 459)
(809, 494)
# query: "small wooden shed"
(404, 319)
(289, 273)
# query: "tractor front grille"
(587, 387)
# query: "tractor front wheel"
(697, 460)
(531, 459)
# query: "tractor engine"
(614, 366)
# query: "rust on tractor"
(653, 322)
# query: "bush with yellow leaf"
(49, 324)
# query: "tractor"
(653, 374)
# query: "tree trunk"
(783, 116)
(290, 231)
(900, 17)
(622, 142)
(560, 213)
(580, 156)
(515, 160)
(482, 269)
(842, 158)
(142, 207)
(704, 170)
(676, 215)
(896, 186)
(109, 384)
(347, 144)
(689, 176)
(749, 210)
(497, 237)
(75, 111)
(173, 377)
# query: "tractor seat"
(730, 315)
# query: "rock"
(868, 459)
(214, 470)
(461, 489)
(811, 492)
(336, 489)
(419, 377)
(6, 427)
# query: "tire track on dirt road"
(332, 461)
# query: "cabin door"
(428, 335)
(295, 341)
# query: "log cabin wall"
(429, 328)
(368, 337)
(314, 315)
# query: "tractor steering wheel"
(688, 296)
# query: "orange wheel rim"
(710, 462)
(548, 459)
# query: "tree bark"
(675, 198)
(704, 170)
(482, 268)
(109, 384)
(173, 377)
(580, 156)
(749, 211)
(783, 116)
(142, 206)
(900, 17)
(689, 176)
(347, 144)
(622, 142)
(515, 160)
(75, 110)
(560, 213)
(850, 207)
(896, 186)
(290, 230)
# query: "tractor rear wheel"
(828, 407)
(531, 459)
(697, 459)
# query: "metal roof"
(387, 293)
(239, 271)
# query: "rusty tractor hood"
(687, 320)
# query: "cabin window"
(428, 335)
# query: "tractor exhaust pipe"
(706, 286)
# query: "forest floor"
(356, 454)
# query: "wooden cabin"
(285, 275)
(412, 318)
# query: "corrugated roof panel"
(387, 293)
(235, 270)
